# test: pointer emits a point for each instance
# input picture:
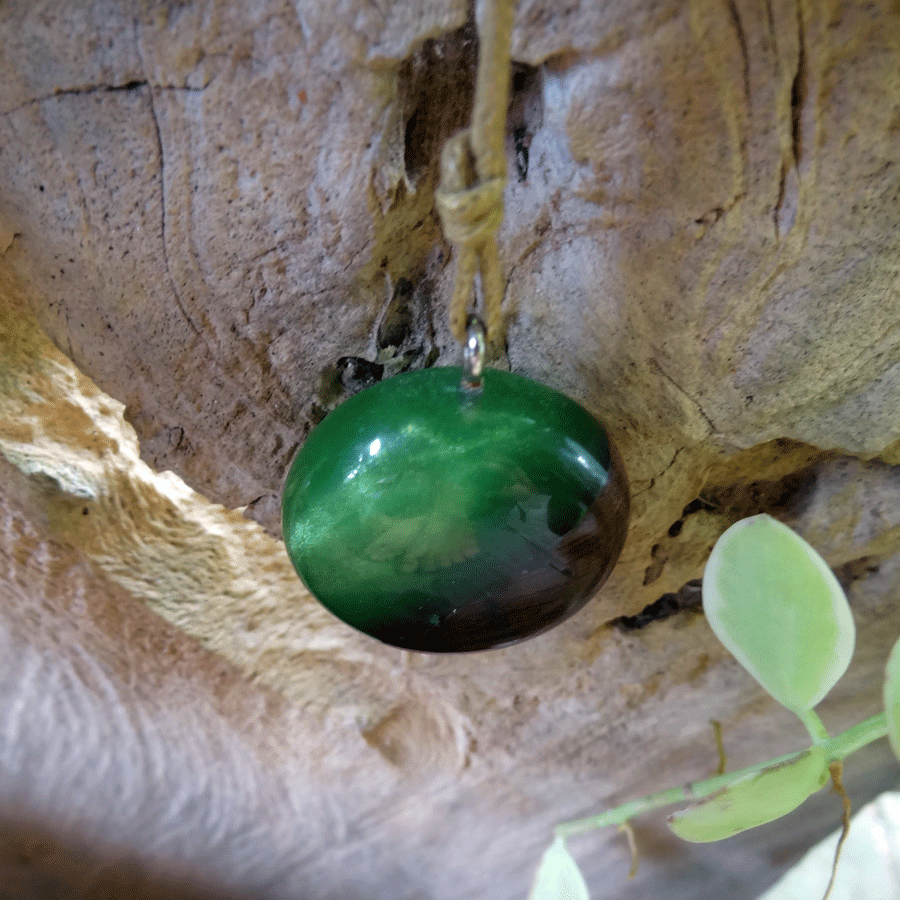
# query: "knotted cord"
(473, 176)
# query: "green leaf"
(892, 698)
(558, 876)
(775, 604)
(753, 800)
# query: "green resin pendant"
(436, 517)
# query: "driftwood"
(216, 222)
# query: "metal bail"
(474, 353)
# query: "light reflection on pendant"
(441, 517)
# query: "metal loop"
(474, 352)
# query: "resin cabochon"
(436, 518)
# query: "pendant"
(445, 510)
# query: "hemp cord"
(473, 175)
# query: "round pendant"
(434, 517)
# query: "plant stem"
(836, 748)
(853, 739)
(814, 726)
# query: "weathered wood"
(207, 209)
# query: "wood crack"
(798, 91)
(711, 216)
(533, 245)
(163, 215)
(656, 477)
(7, 242)
(90, 90)
(742, 40)
(684, 393)
(790, 164)
(773, 32)
(776, 211)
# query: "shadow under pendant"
(438, 518)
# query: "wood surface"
(217, 221)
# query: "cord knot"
(471, 212)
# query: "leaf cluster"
(774, 603)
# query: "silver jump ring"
(474, 352)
